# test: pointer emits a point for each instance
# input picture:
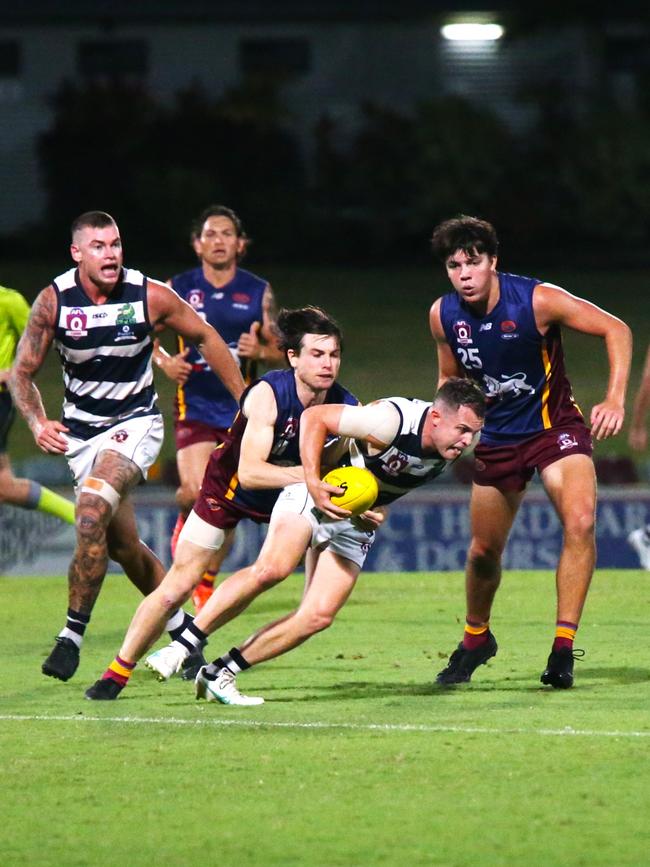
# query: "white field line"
(567, 731)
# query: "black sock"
(233, 661)
(75, 626)
(187, 621)
(192, 637)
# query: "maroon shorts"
(189, 432)
(216, 514)
(510, 467)
(220, 502)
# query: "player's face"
(218, 244)
(317, 364)
(450, 432)
(98, 252)
(472, 276)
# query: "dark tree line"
(570, 183)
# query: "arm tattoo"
(32, 349)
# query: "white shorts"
(138, 439)
(339, 536)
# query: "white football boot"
(223, 689)
(167, 661)
(640, 541)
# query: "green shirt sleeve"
(14, 312)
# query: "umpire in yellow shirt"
(14, 311)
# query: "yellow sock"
(54, 504)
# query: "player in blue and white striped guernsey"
(100, 317)
(405, 444)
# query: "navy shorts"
(7, 416)
(511, 466)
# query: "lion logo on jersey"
(512, 384)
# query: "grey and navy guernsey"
(402, 466)
(105, 351)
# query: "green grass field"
(355, 759)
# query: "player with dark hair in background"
(504, 331)
(241, 307)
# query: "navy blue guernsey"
(105, 351)
(231, 310)
(401, 467)
(221, 481)
(521, 371)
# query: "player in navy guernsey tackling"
(241, 307)
(504, 331)
(100, 317)
(405, 443)
(243, 479)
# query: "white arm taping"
(378, 422)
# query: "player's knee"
(176, 588)
(484, 557)
(268, 573)
(580, 521)
(91, 526)
(316, 620)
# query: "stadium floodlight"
(472, 32)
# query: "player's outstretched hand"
(48, 437)
(606, 419)
(248, 345)
(321, 493)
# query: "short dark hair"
(91, 220)
(220, 211)
(292, 325)
(469, 234)
(458, 391)
(217, 211)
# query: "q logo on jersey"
(75, 322)
(463, 332)
(195, 298)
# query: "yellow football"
(360, 488)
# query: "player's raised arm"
(448, 365)
(30, 354)
(552, 305)
(168, 309)
(254, 470)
